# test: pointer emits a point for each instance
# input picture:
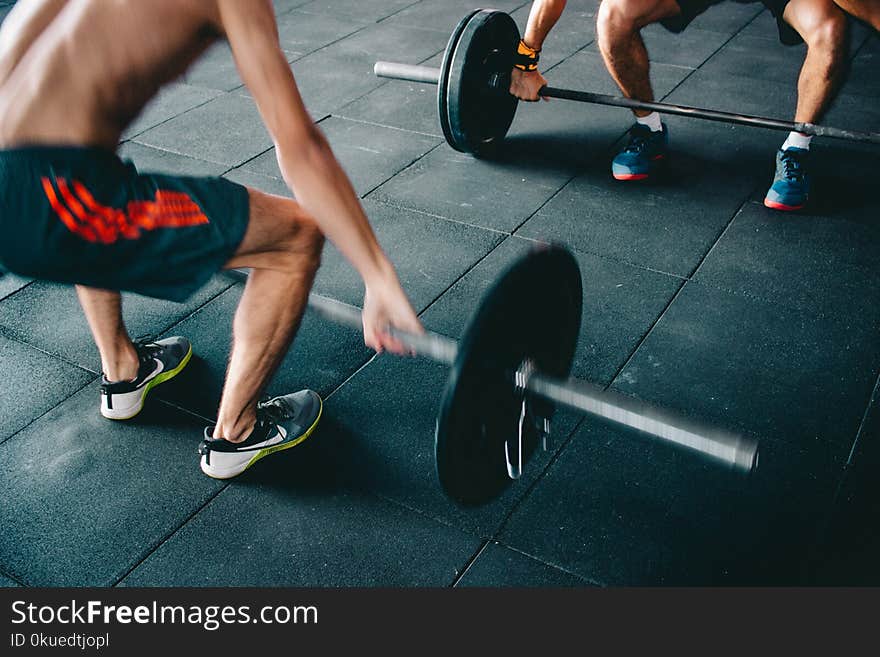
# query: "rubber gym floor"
(696, 299)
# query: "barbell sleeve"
(734, 451)
(737, 452)
(410, 72)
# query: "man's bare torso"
(78, 71)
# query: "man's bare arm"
(309, 167)
(543, 15)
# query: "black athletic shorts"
(690, 9)
(82, 215)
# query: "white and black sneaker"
(282, 423)
(159, 361)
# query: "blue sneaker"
(642, 154)
(791, 184)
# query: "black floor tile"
(323, 356)
(32, 316)
(444, 15)
(405, 105)
(301, 34)
(623, 510)
(758, 367)
(267, 184)
(369, 154)
(284, 6)
(688, 49)
(620, 305)
(343, 71)
(31, 383)
(371, 11)
(498, 565)
(460, 187)
(727, 17)
(227, 130)
(738, 94)
(5, 582)
(428, 253)
(11, 283)
(288, 533)
(171, 101)
(816, 264)
(755, 57)
(382, 427)
(215, 69)
(149, 159)
(847, 553)
(668, 225)
(87, 498)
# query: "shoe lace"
(638, 140)
(146, 347)
(276, 409)
(792, 166)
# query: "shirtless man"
(820, 23)
(73, 74)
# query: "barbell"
(476, 108)
(509, 372)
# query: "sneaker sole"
(128, 413)
(234, 472)
(775, 205)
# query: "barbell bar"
(477, 65)
(734, 451)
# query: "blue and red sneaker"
(643, 153)
(791, 184)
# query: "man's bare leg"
(822, 25)
(103, 310)
(621, 45)
(283, 248)
(866, 10)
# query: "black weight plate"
(478, 116)
(444, 75)
(532, 312)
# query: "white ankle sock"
(797, 140)
(652, 121)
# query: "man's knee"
(307, 245)
(825, 31)
(620, 18)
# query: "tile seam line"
(4, 332)
(675, 296)
(588, 580)
(873, 398)
(403, 168)
(16, 291)
(9, 576)
(383, 81)
(390, 202)
(144, 556)
(15, 435)
(300, 10)
(526, 494)
(133, 137)
(821, 537)
(469, 564)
